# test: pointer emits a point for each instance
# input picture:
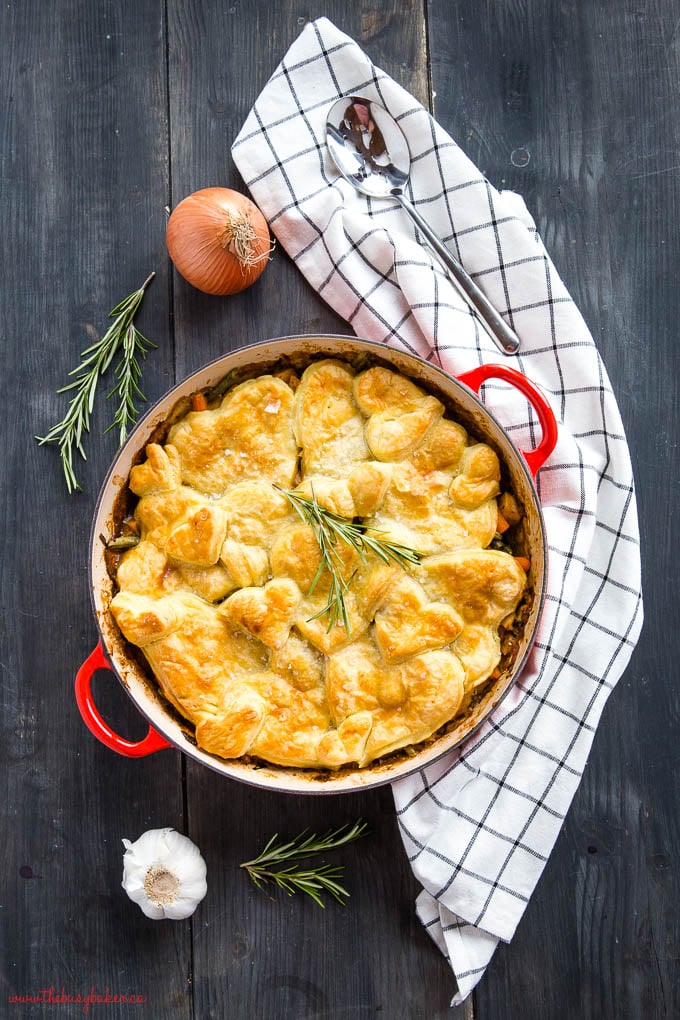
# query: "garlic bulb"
(164, 873)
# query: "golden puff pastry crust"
(229, 596)
(248, 436)
(329, 426)
(405, 702)
(268, 612)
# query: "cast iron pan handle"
(153, 741)
(535, 458)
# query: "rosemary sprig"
(68, 434)
(330, 528)
(266, 867)
(128, 377)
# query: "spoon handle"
(503, 336)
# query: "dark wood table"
(114, 110)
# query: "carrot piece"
(198, 402)
(524, 563)
(495, 673)
(501, 524)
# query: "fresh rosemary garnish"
(266, 867)
(68, 434)
(330, 528)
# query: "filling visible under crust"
(277, 647)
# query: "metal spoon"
(371, 152)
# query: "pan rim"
(288, 779)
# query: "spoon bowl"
(370, 150)
(368, 147)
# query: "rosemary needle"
(329, 528)
(123, 335)
(274, 864)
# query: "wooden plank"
(573, 105)
(253, 956)
(271, 955)
(220, 58)
(83, 187)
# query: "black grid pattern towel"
(477, 826)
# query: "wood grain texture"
(211, 94)
(83, 185)
(273, 955)
(573, 105)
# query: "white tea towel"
(478, 825)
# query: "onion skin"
(218, 240)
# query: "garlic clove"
(164, 874)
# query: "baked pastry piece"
(378, 708)
(229, 595)
(247, 437)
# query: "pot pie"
(229, 595)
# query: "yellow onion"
(218, 240)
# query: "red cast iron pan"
(166, 728)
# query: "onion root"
(239, 237)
